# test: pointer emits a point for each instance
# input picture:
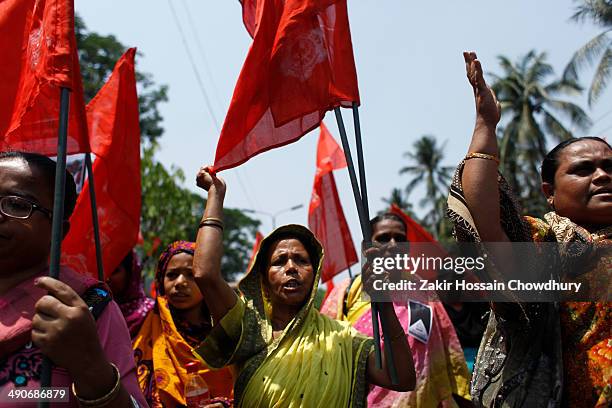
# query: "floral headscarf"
(174, 248)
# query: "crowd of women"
(265, 344)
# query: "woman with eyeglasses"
(73, 322)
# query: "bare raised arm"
(218, 295)
(479, 177)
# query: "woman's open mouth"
(292, 285)
(602, 193)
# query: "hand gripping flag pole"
(364, 198)
(360, 196)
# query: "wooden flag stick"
(364, 199)
(94, 216)
(57, 228)
(364, 221)
(366, 230)
(360, 162)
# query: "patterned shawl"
(529, 350)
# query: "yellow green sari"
(316, 362)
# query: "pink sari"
(20, 360)
(438, 358)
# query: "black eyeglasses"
(20, 208)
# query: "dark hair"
(551, 161)
(267, 245)
(310, 248)
(46, 167)
(175, 248)
(388, 216)
(128, 262)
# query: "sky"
(411, 80)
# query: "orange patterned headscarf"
(162, 353)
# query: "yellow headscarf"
(316, 362)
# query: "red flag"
(115, 134)
(329, 287)
(325, 216)
(416, 233)
(258, 238)
(39, 56)
(300, 65)
(156, 242)
(251, 13)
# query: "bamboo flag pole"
(364, 198)
(367, 237)
(360, 162)
(57, 229)
(363, 217)
(94, 216)
(364, 222)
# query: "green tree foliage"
(426, 169)
(534, 114)
(238, 236)
(597, 50)
(399, 198)
(170, 212)
(97, 56)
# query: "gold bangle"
(106, 399)
(211, 223)
(476, 155)
(219, 220)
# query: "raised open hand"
(488, 109)
(207, 181)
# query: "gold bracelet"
(219, 220)
(106, 399)
(476, 155)
(211, 223)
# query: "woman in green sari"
(285, 352)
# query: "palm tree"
(598, 48)
(536, 114)
(426, 169)
(399, 198)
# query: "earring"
(551, 202)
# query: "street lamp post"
(273, 215)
